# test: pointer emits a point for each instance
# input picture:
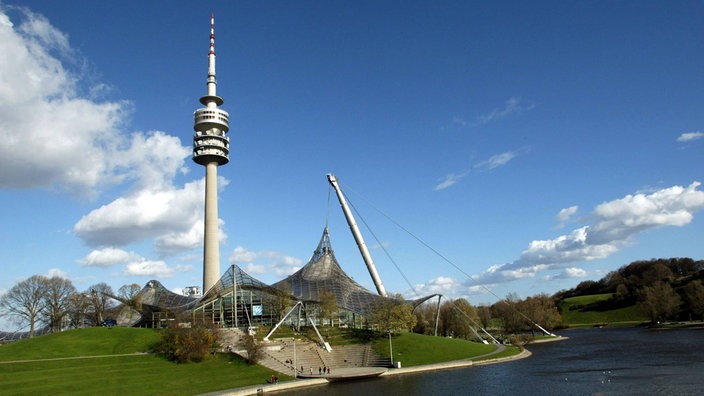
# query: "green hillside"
(111, 361)
(588, 311)
(416, 349)
(93, 341)
(108, 361)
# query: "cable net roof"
(241, 280)
(323, 273)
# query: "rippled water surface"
(626, 361)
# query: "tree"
(78, 307)
(393, 314)
(484, 314)
(659, 301)
(541, 309)
(426, 315)
(182, 343)
(24, 301)
(280, 300)
(458, 318)
(694, 291)
(508, 310)
(55, 302)
(253, 348)
(327, 304)
(131, 298)
(100, 296)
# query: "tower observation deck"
(211, 148)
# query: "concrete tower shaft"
(211, 148)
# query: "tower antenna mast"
(211, 148)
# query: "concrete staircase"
(278, 354)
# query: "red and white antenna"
(212, 34)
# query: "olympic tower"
(211, 148)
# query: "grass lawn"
(112, 375)
(415, 349)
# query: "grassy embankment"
(88, 361)
(416, 349)
(85, 366)
(593, 310)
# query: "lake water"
(619, 361)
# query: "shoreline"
(294, 384)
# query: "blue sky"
(534, 145)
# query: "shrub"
(187, 344)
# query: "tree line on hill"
(54, 303)
(662, 289)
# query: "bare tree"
(78, 307)
(56, 301)
(131, 298)
(24, 301)
(100, 296)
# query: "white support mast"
(357, 236)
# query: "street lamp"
(391, 350)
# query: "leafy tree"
(458, 318)
(508, 311)
(484, 314)
(393, 314)
(542, 310)
(694, 291)
(56, 300)
(327, 305)
(280, 300)
(24, 301)
(426, 315)
(659, 301)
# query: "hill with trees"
(657, 290)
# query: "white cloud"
(55, 272)
(265, 261)
(84, 157)
(107, 257)
(616, 222)
(254, 269)
(450, 180)
(494, 161)
(497, 160)
(75, 156)
(513, 105)
(155, 268)
(566, 214)
(689, 136)
(172, 216)
(573, 272)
